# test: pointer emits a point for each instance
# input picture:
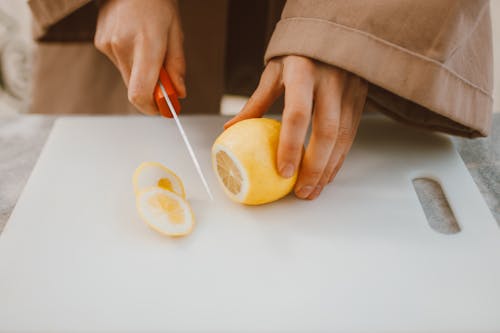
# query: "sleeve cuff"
(47, 12)
(461, 107)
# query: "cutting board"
(361, 258)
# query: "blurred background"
(16, 55)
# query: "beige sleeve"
(429, 63)
(48, 12)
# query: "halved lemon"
(244, 161)
(150, 174)
(165, 211)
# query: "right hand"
(329, 98)
(139, 37)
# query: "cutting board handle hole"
(436, 207)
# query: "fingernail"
(304, 191)
(316, 192)
(287, 171)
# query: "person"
(426, 63)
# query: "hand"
(139, 37)
(332, 97)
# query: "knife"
(167, 101)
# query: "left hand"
(332, 97)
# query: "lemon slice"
(150, 174)
(165, 211)
(244, 161)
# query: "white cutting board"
(75, 257)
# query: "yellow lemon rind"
(263, 182)
(140, 169)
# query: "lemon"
(161, 200)
(244, 161)
(150, 174)
(165, 211)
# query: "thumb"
(269, 89)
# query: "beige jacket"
(428, 62)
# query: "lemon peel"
(244, 161)
(156, 174)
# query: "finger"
(268, 90)
(359, 106)
(148, 58)
(299, 87)
(345, 130)
(109, 48)
(353, 104)
(124, 64)
(331, 167)
(121, 45)
(360, 103)
(175, 62)
(325, 127)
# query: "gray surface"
(22, 138)
(437, 210)
(482, 158)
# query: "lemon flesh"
(229, 172)
(244, 161)
(165, 184)
(165, 211)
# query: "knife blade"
(171, 99)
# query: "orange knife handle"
(172, 95)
